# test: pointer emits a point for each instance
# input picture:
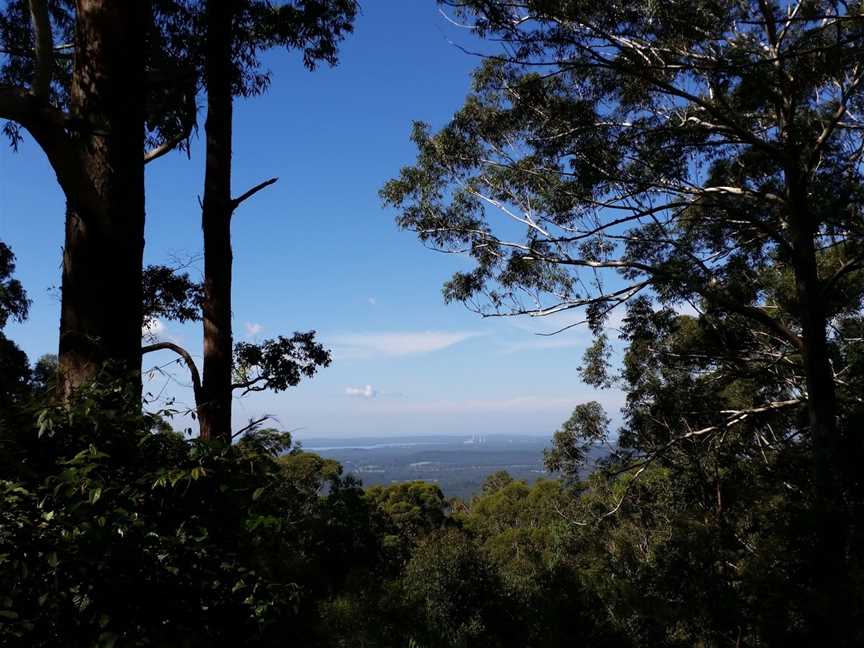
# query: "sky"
(317, 251)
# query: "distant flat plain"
(457, 464)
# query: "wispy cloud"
(368, 345)
(361, 392)
(544, 343)
(372, 301)
(253, 329)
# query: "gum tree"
(234, 34)
(86, 80)
(705, 155)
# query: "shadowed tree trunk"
(93, 134)
(215, 412)
(831, 468)
(104, 244)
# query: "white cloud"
(362, 392)
(372, 301)
(253, 329)
(367, 345)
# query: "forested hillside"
(681, 179)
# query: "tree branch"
(249, 385)
(167, 147)
(616, 298)
(187, 358)
(754, 313)
(235, 202)
(735, 417)
(48, 125)
(16, 104)
(711, 295)
(251, 425)
(162, 78)
(856, 263)
(190, 121)
(837, 117)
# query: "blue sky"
(317, 251)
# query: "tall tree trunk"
(821, 397)
(215, 412)
(830, 468)
(101, 312)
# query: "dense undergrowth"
(117, 531)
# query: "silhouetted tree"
(14, 305)
(708, 153)
(236, 31)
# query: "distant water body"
(378, 446)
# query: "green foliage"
(666, 157)
(174, 57)
(586, 428)
(13, 300)
(456, 591)
(15, 373)
(691, 149)
(131, 537)
(495, 482)
(522, 531)
(595, 363)
(45, 373)
(315, 27)
(413, 509)
(691, 536)
(309, 471)
(171, 295)
(17, 379)
(577, 157)
(277, 364)
(119, 530)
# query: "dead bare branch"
(235, 202)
